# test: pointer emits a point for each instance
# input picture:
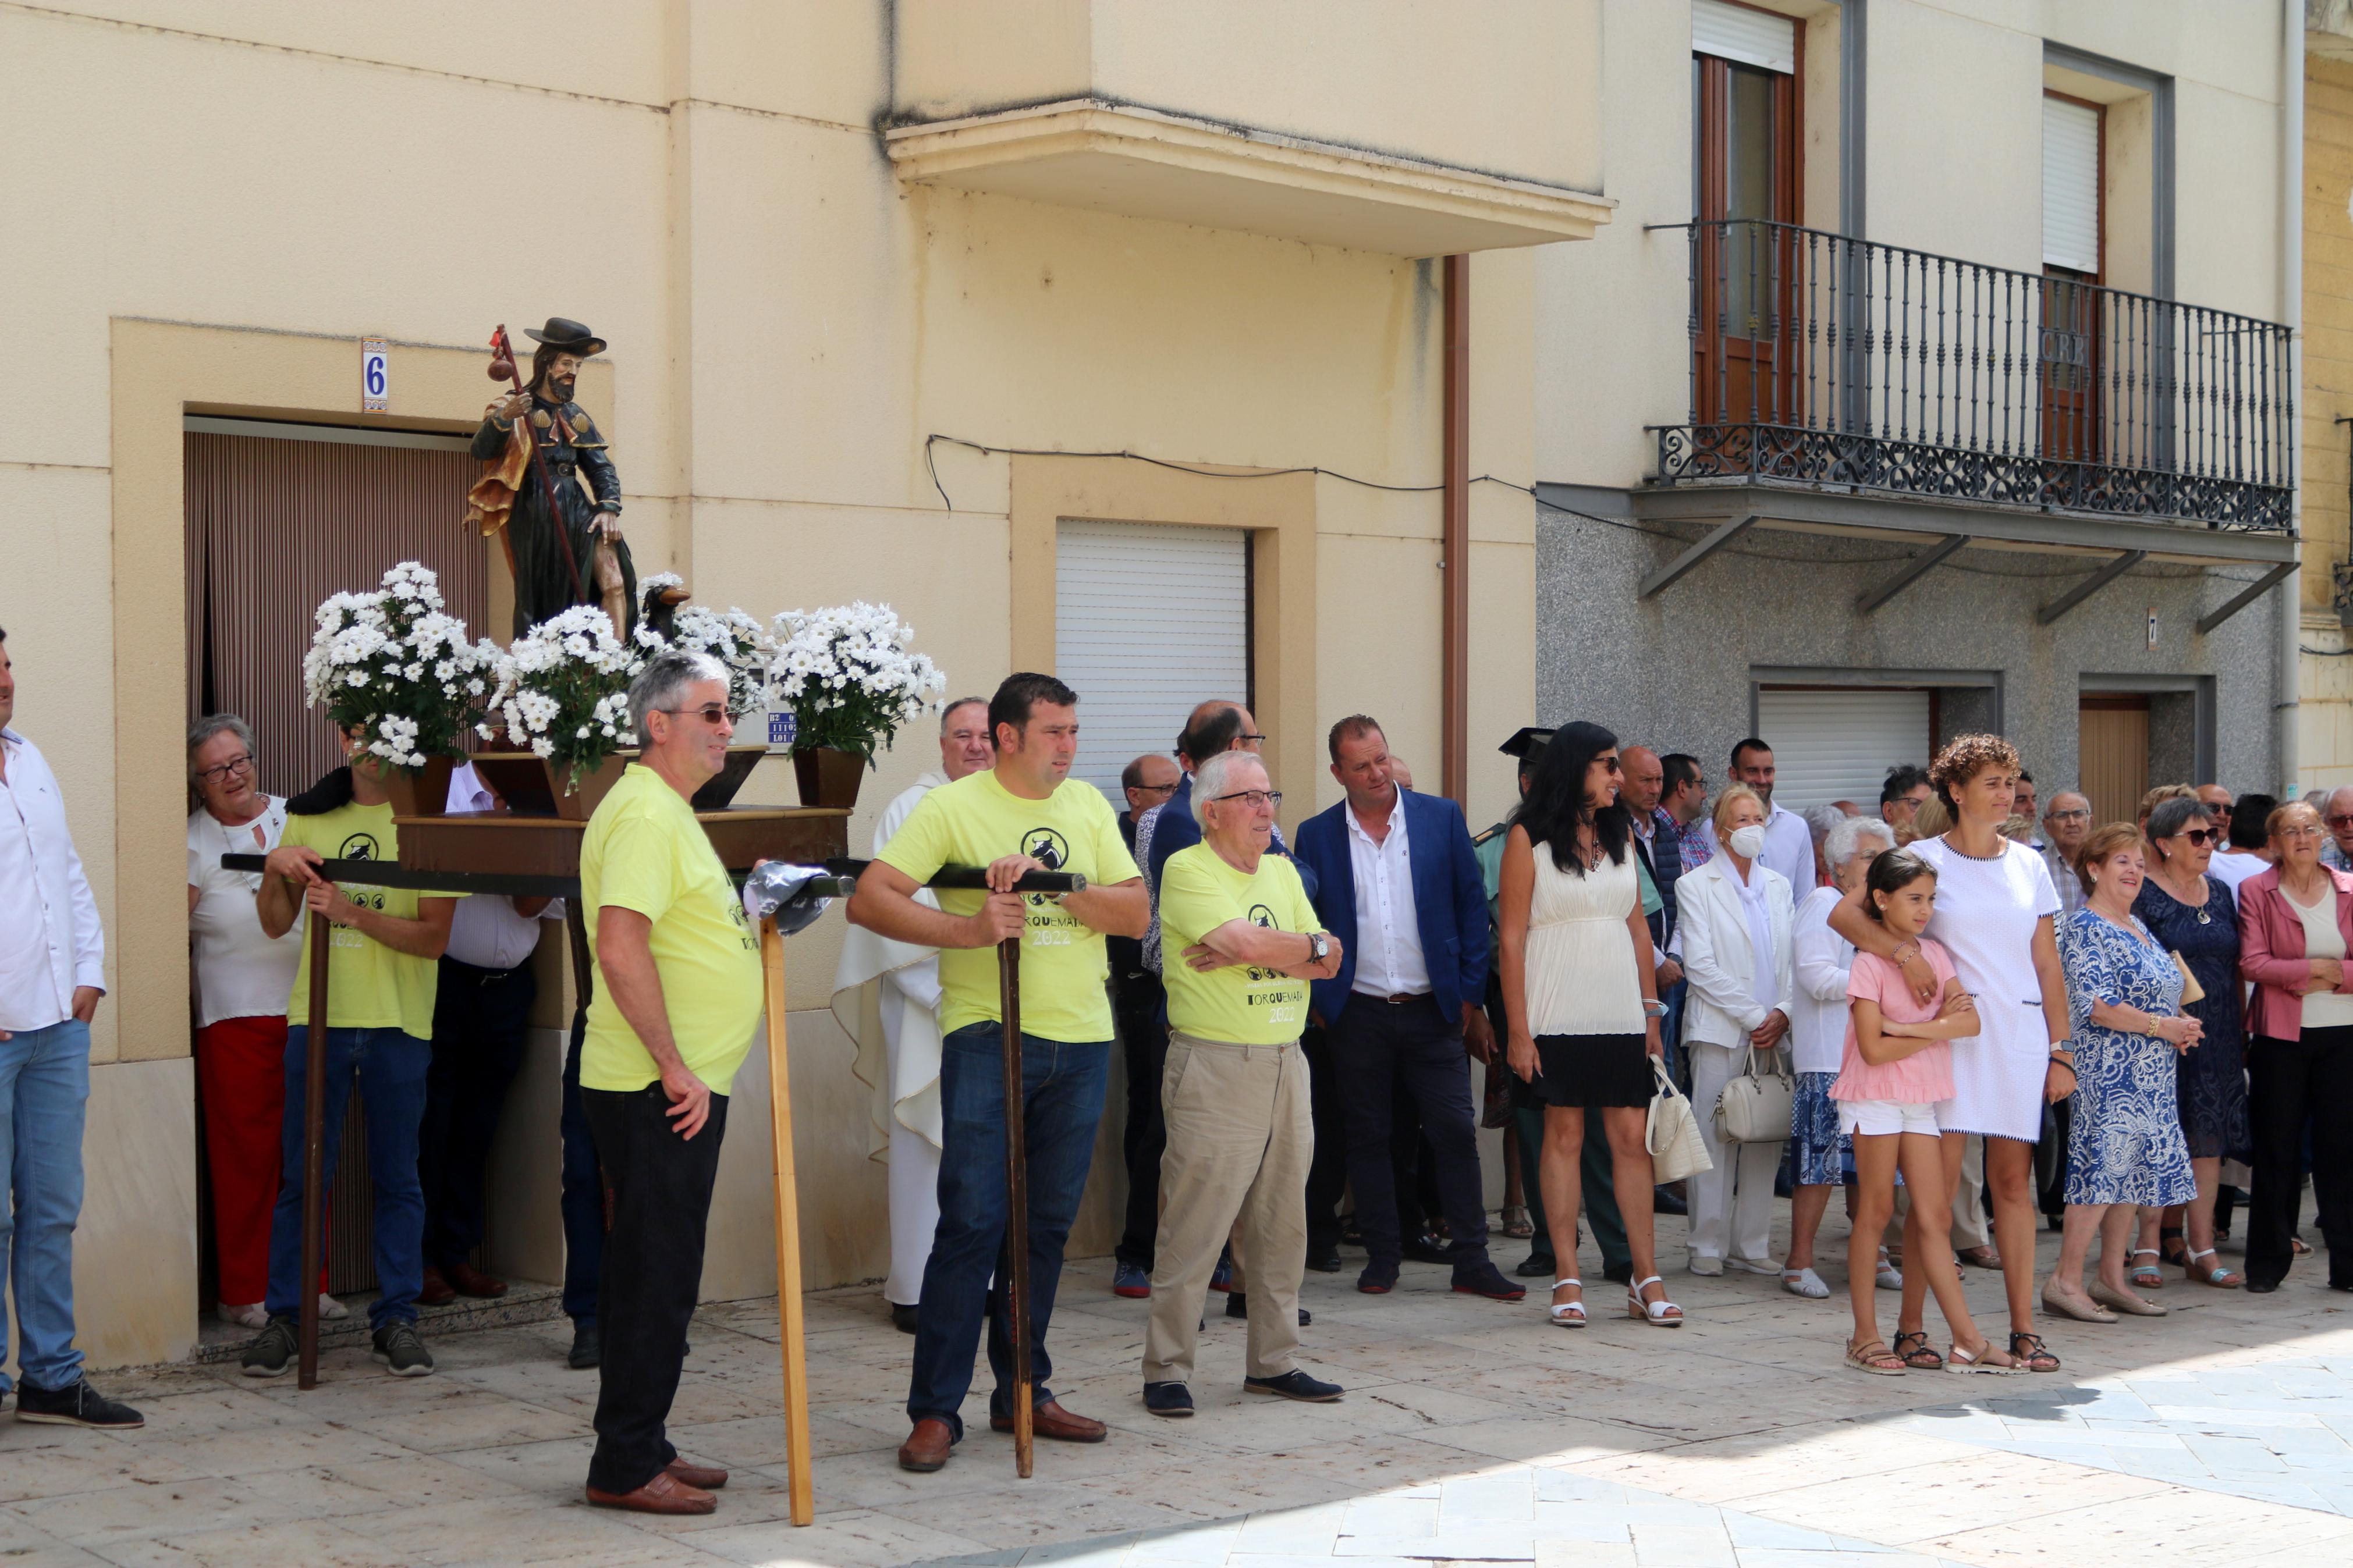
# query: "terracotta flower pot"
(580, 803)
(420, 792)
(828, 777)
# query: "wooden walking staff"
(800, 1487)
(315, 1150)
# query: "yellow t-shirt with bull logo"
(1064, 963)
(369, 985)
(1242, 1004)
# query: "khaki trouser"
(1240, 1142)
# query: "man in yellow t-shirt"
(379, 1036)
(1234, 1093)
(1022, 814)
(677, 996)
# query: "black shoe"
(1617, 1273)
(1665, 1202)
(1326, 1262)
(1425, 1248)
(273, 1351)
(1380, 1278)
(588, 1346)
(1295, 1386)
(1483, 1279)
(1238, 1306)
(2261, 1286)
(77, 1405)
(401, 1351)
(1535, 1265)
(1168, 1399)
(903, 1317)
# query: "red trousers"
(241, 1067)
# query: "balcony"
(1824, 363)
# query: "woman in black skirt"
(1580, 991)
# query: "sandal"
(2299, 1246)
(1805, 1282)
(2030, 1349)
(1569, 1314)
(1978, 1364)
(1922, 1356)
(1875, 1358)
(2176, 1250)
(2145, 1275)
(1889, 1276)
(2213, 1273)
(1661, 1313)
(1515, 1222)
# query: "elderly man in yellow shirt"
(677, 998)
(1234, 1093)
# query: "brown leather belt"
(1404, 997)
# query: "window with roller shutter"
(1838, 743)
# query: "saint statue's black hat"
(568, 335)
(1526, 743)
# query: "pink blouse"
(1926, 1075)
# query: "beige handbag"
(2191, 991)
(1757, 1107)
(1670, 1132)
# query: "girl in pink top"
(1897, 1066)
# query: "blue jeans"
(1062, 1099)
(390, 1068)
(43, 1086)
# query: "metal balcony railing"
(1821, 360)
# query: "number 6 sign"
(375, 378)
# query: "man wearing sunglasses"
(2338, 853)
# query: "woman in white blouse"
(241, 977)
(1817, 1046)
(1733, 918)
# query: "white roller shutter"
(2071, 185)
(1737, 33)
(1838, 745)
(1149, 619)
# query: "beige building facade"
(884, 283)
(2326, 707)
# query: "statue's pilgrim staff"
(974, 879)
(503, 365)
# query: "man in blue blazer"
(1398, 884)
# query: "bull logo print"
(1263, 917)
(358, 847)
(1047, 847)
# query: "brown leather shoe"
(1051, 1420)
(434, 1291)
(707, 1477)
(664, 1494)
(469, 1280)
(926, 1447)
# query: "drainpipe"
(2291, 590)
(1454, 538)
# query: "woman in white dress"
(1732, 924)
(1996, 909)
(1580, 995)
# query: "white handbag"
(1670, 1132)
(1757, 1107)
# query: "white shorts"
(1882, 1118)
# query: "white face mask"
(1748, 842)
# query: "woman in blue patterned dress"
(2196, 916)
(2124, 1148)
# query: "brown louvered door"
(275, 525)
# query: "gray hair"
(667, 674)
(1846, 837)
(1820, 819)
(1210, 779)
(212, 724)
(966, 702)
(2172, 816)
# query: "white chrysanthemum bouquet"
(847, 676)
(564, 690)
(392, 664)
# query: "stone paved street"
(1472, 1432)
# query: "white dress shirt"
(487, 932)
(50, 940)
(1824, 960)
(1789, 847)
(1389, 961)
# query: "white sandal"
(1652, 1312)
(1804, 1282)
(1569, 1314)
(1889, 1276)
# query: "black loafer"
(1325, 1262)
(78, 1405)
(1168, 1399)
(903, 1317)
(588, 1346)
(2263, 1287)
(1535, 1265)
(1296, 1385)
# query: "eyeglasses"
(2340, 820)
(1254, 798)
(2071, 816)
(1163, 790)
(1246, 735)
(227, 771)
(711, 713)
(2303, 830)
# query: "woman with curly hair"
(1996, 913)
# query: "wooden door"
(2112, 755)
(1745, 190)
(2069, 367)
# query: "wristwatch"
(1319, 947)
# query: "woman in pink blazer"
(2295, 931)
